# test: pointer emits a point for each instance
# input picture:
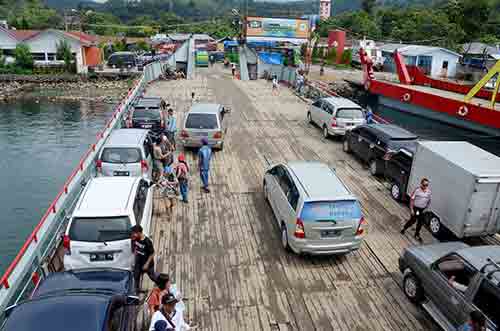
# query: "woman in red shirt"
(162, 287)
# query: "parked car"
(204, 120)
(315, 211)
(98, 232)
(146, 116)
(122, 60)
(127, 152)
(397, 171)
(451, 279)
(114, 281)
(86, 300)
(372, 142)
(150, 102)
(465, 184)
(336, 115)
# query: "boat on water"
(472, 107)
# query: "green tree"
(368, 5)
(63, 51)
(23, 56)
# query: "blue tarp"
(271, 58)
(230, 43)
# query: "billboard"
(282, 28)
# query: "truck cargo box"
(465, 182)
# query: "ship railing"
(42, 252)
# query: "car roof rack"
(491, 263)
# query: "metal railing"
(39, 254)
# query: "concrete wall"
(438, 58)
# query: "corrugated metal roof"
(415, 50)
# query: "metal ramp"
(243, 63)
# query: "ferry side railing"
(42, 252)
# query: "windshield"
(331, 210)
(202, 121)
(98, 229)
(354, 113)
(121, 155)
(408, 143)
(145, 114)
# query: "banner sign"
(277, 28)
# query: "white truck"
(465, 185)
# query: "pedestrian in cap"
(168, 314)
(182, 173)
(204, 156)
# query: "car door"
(451, 301)
(397, 169)
(365, 144)
(352, 137)
(281, 195)
(316, 111)
(487, 300)
(117, 319)
(146, 196)
(273, 188)
(326, 114)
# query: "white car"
(336, 115)
(98, 233)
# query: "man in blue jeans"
(204, 156)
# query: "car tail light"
(299, 229)
(67, 244)
(218, 135)
(361, 227)
(144, 166)
(184, 134)
(98, 165)
(334, 122)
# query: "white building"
(371, 48)
(325, 8)
(43, 46)
(433, 61)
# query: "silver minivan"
(315, 211)
(204, 120)
(127, 152)
(336, 115)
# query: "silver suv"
(336, 115)
(315, 211)
(126, 153)
(452, 279)
(204, 120)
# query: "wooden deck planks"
(223, 249)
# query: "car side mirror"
(132, 300)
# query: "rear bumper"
(302, 246)
(337, 131)
(72, 263)
(197, 142)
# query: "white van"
(98, 233)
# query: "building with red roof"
(43, 46)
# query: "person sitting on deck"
(162, 286)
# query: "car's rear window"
(354, 113)
(121, 155)
(202, 121)
(146, 114)
(397, 144)
(98, 229)
(331, 210)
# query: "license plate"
(121, 173)
(101, 257)
(330, 233)
(201, 134)
(147, 126)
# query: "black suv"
(397, 171)
(147, 113)
(372, 143)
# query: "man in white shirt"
(419, 201)
(175, 320)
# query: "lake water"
(40, 144)
(434, 130)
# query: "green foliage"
(347, 56)
(64, 53)
(142, 45)
(33, 15)
(315, 52)
(24, 60)
(331, 58)
(368, 5)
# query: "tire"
(326, 135)
(309, 118)
(373, 167)
(346, 147)
(435, 226)
(284, 238)
(396, 192)
(412, 287)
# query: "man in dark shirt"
(144, 255)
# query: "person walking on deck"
(171, 127)
(182, 173)
(419, 201)
(168, 313)
(275, 85)
(144, 255)
(158, 158)
(204, 156)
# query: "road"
(223, 249)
